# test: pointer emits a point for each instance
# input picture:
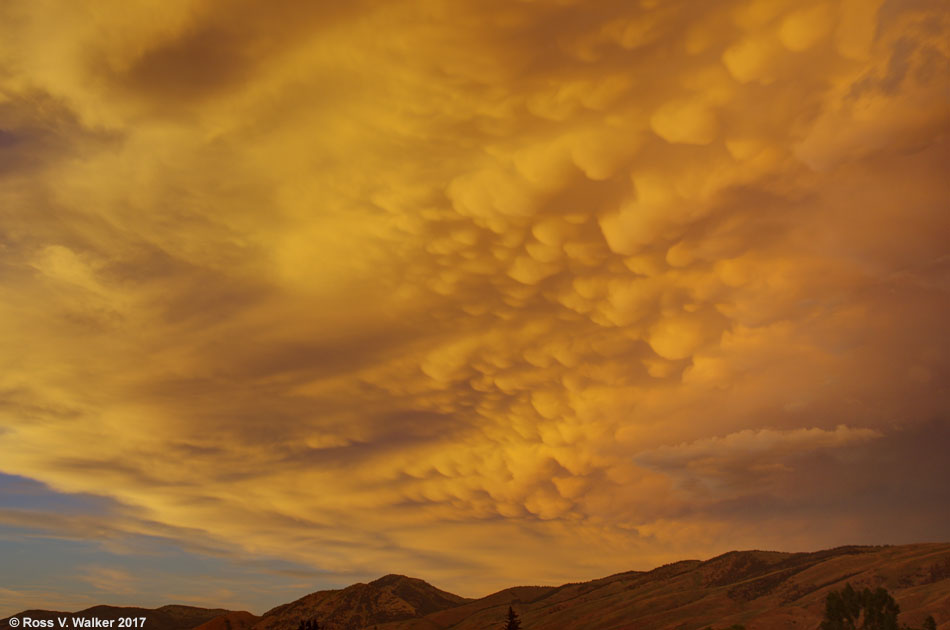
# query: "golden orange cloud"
(488, 292)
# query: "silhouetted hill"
(763, 590)
(390, 598)
(173, 617)
(235, 620)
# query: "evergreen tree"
(880, 610)
(513, 622)
(309, 624)
(875, 610)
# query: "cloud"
(736, 457)
(109, 580)
(468, 288)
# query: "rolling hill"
(390, 598)
(762, 590)
(233, 620)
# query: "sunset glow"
(487, 292)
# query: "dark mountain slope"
(390, 598)
(237, 620)
(763, 590)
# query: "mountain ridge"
(389, 598)
(762, 590)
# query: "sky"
(485, 292)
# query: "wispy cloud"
(109, 580)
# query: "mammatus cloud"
(528, 291)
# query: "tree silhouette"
(930, 623)
(873, 610)
(513, 622)
(308, 624)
